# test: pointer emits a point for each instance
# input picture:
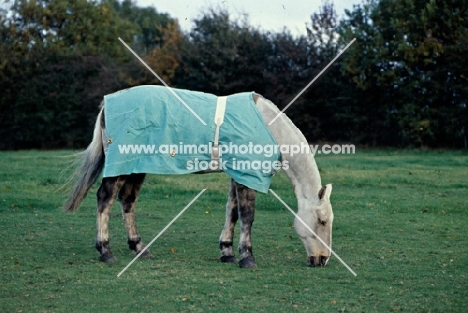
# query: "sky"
(269, 15)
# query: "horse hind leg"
(128, 196)
(227, 235)
(106, 195)
(246, 206)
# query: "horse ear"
(325, 192)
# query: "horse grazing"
(313, 199)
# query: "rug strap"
(218, 119)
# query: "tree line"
(403, 83)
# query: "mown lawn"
(400, 223)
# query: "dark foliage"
(402, 83)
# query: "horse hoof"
(107, 258)
(248, 262)
(146, 255)
(229, 259)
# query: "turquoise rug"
(151, 131)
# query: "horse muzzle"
(317, 260)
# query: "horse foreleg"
(128, 196)
(106, 195)
(246, 206)
(227, 235)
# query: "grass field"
(400, 223)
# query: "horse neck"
(304, 176)
(303, 172)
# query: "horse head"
(318, 215)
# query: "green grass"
(400, 223)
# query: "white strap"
(220, 109)
(218, 119)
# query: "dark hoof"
(146, 255)
(317, 261)
(229, 259)
(107, 258)
(248, 262)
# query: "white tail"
(91, 162)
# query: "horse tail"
(90, 164)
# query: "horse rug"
(150, 130)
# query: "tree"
(287, 71)
(327, 110)
(407, 64)
(54, 55)
(223, 57)
(152, 24)
(158, 42)
(163, 59)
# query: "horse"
(313, 199)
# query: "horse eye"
(323, 223)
